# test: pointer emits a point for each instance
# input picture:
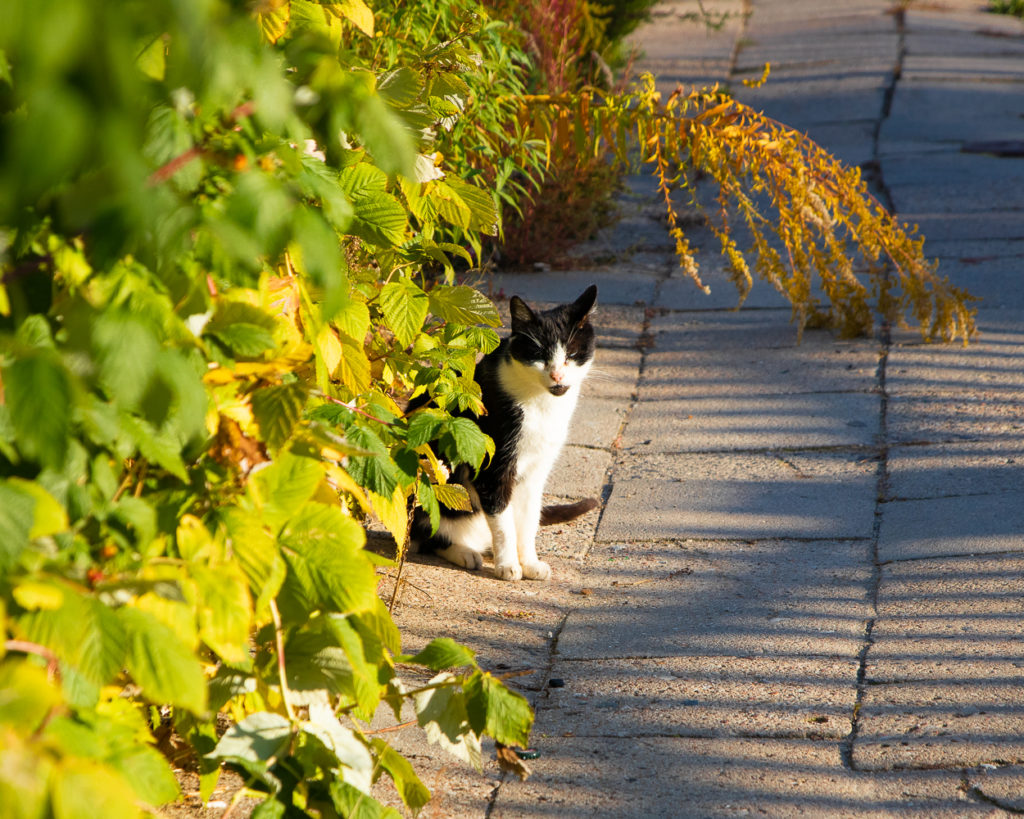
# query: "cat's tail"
(564, 512)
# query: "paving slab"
(580, 472)
(777, 599)
(949, 620)
(750, 420)
(993, 363)
(958, 182)
(1000, 785)
(964, 525)
(998, 223)
(581, 777)
(969, 415)
(771, 495)
(934, 112)
(955, 469)
(614, 371)
(932, 725)
(753, 353)
(701, 696)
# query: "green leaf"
(17, 516)
(48, 517)
(324, 551)
(83, 632)
(283, 487)
(441, 712)
(483, 213)
(424, 427)
(463, 305)
(465, 443)
(385, 136)
(245, 340)
(413, 792)
(354, 369)
(37, 390)
(498, 711)
(164, 667)
(254, 742)
(454, 496)
(443, 653)
(28, 695)
(427, 499)
(257, 555)
(405, 307)
(126, 349)
(375, 472)
(85, 789)
(379, 219)
(278, 409)
(365, 674)
(271, 808)
(149, 774)
(157, 446)
(352, 803)
(400, 87)
(152, 59)
(224, 611)
(356, 761)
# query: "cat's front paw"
(537, 571)
(511, 571)
(462, 556)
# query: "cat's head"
(554, 348)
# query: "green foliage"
(215, 227)
(1014, 7)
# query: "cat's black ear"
(521, 312)
(584, 305)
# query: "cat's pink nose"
(557, 376)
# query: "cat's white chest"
(544, 431)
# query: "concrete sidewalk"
(805, 592)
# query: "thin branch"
(170, 168)
(356, 410)
(26, 647)
(279, 641)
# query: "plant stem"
(279, 641)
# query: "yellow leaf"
(356, 12)
(193, 538)
(343, 483)
(273, 17)
(330, 349)
(393, 513)
(33, 596)
(454, 496)
(353, 367)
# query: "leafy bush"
(1014, 7)
(210, 308)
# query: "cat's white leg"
(526, 502)
(470, 537)
(503, 539)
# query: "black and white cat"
(530, 385)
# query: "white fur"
(512, 533)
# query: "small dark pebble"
(556, 682)
(527, 753)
